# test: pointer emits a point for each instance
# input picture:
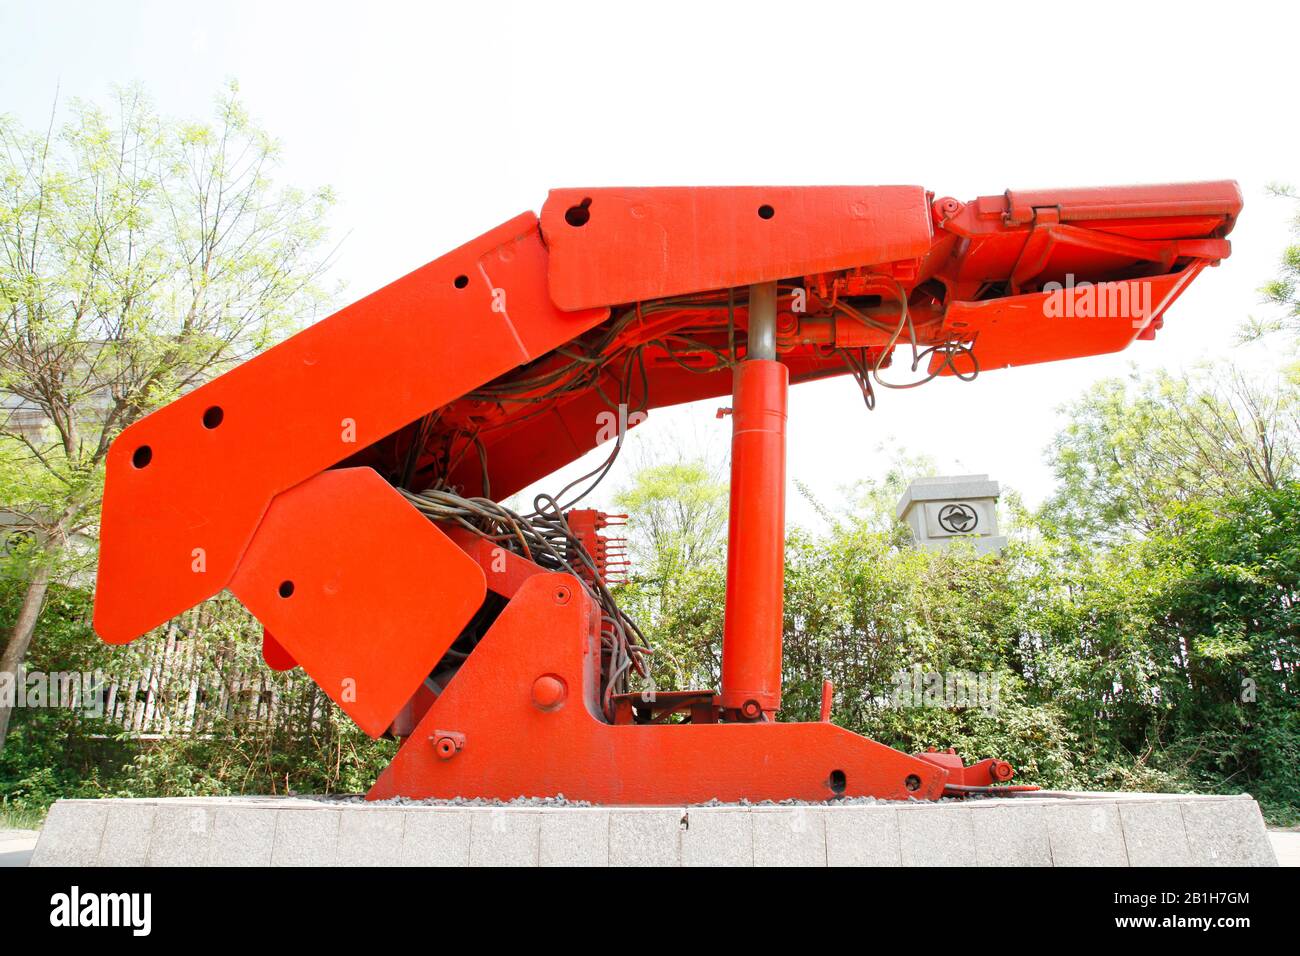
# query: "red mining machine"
(345, 485)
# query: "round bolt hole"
(213, 417)
(561, 595)
(143, 455)
(460, 281)
(286, 589)
(838, 782)
(913, 782)
(578, 215)
(766, 212)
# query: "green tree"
(677, 527)
(1232, 618)
(1134, 448)
(1173, 656)
(1283, 291)
(678, 515)
(138, 257)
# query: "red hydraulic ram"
(751, 640)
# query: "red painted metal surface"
(751, 638)
(363, 592)
(1012, 331)
(628, 245)
(986, 776)
(308, 404)
(509, 357)
(513, 746)
(274, 654)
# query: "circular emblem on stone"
(958, 518)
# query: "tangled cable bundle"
(865, 374)
(544, 538)
(588, 365)
(585, 368)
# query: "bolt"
(549, 692)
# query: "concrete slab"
(72, 834)
(436, 836)
(180, 835)
(579, 837)
(127, 831)
(305, 836)
(1286, 844)
(646, 836)
(942, 835)
(862, 836)
(1057, 829)
(1230, 833)
(789, 836)
(1154, 834)
(1087, 833)
(16, 847)
(502, 837)
(1008, 833)
(718, 836)
(241, 836)
(371, 837)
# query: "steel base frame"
(521, 719)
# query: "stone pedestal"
(1049, 829)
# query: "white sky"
(435, 122)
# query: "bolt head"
(549, 692)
